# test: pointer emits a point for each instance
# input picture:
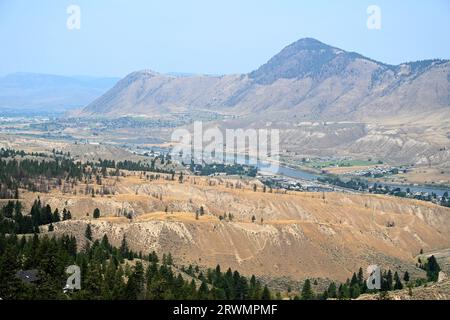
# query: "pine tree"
(398, 283)
(361, 281)
(432, 268)
(203, 291)
(360, 277)
(406, 276)
(56, 217)
(88, 232)
(124, 252)
(153, 257)
(253, 288)
(105, 243)
(92, 284)
(241, 289)
(354, 280)
(64, 214)
(10, 285)
(167, 259)
(134, 289)
(96, 213)
(343, 292)
(332, 291)
(354, 286)
(389, 281)
(266, 294)
(307, 293)
(355, 291)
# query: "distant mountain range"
(308, 79)
(44, 92)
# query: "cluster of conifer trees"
(108, 272)
(357, 285)
(23, 170)
(136, 166)
(36, 172)
(12, 220)
(432, 268)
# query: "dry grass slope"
(294, 235)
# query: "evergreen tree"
(203, 291)
(307, 293)
(355, 291)
(134, 289)
(354, 280)
(332, 291)
(397, 282)
(88, 232)
(241, 289)
(406, 276)
(56, 217)
(96, 213)
(124, 252)
(432, 268)
(64, 214)
(167, 259)
(10, 285)
(343, 292)
(389, 281)
(266, 294)
(361, 277)
(153, 257)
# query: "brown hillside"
(301, 235)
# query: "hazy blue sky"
(208, 36)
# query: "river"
(301, 174)
(289, 172)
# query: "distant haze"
(208, 37)
(43, 92)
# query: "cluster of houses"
(378, 172)
(286, 183)
(407, 193)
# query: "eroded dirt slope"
(295, 235)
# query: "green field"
(317, 164)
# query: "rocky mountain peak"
(306, 57)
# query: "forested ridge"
(41, 172)
(110, 273)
